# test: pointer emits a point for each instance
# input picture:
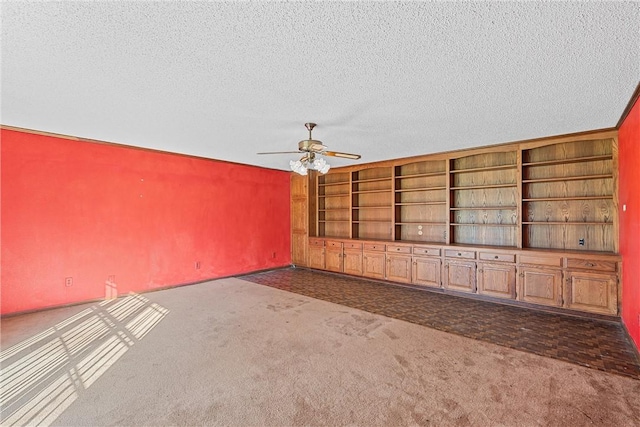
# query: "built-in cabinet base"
(575, 281)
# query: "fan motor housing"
(310, 145)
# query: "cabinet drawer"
(335, 245)
(492, 256)
(417, 250)
(460, 254)
(591, 264)
(541, 260)
(352, 245)
(399, 249)
(316, 242)
(374, 247)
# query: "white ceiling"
(384, 79)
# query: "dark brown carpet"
(593, 343)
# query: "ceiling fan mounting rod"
(310, 127)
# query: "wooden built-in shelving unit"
(334, 216)
(484, 199)
(568, 196)
(371, 203)
(535, 221)
(420, 201)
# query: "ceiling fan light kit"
(312, 147)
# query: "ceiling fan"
(311, 147)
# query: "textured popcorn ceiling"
(386, 80)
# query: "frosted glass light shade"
(321, 165)
(298, 167)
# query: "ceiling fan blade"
(343, 155)
(281, 152)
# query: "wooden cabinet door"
(333, 260)
(540, 286)
(426, 272)
(373, 265)
(299, 214)
(299, 248)
(593, 292)
(299, 220)
(497, 280)
(352, 260)
(399, 268)
(460, 275)
(316, 257)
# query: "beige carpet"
(230, 352)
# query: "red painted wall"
(89, 211)
(629, 193)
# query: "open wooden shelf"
(566, 223)
(360, 181)
(421, 203)
(567, 178)
(383, 190)
(480, 187)
(476, 224)
(484, 168)
(425, 223)
(334, 195)
(333, 184)
(420, 175)
(568, 161)
(559, 199)
(485, 208)
(409, 190)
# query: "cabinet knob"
(590, 264)
(459, 254)
(496, 257)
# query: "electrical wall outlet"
(68, 281)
